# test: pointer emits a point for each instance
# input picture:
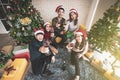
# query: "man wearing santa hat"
(40, 54)
(78, 47)
(58, 25)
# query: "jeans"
(75, 61)
(39, 64)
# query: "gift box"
(108, 75)
(15, 52)
(97, 64)
(24, 53)
(89, 54)
(16, 70)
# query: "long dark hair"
(75, 21)
(82, 44)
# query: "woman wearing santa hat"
(58, 25)
(40, 54)
(78, 47)
(72, 24)
(48, 31)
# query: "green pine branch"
(104, 33)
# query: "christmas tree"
(4, 57)
(104, 34)
(23, 19)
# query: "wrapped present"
(97, 64)
(16, 70)
(20, 51)
(24, 53)
(89, 54)
(108, 75)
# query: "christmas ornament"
(15, 33)
(25, 21)
(29, 28)
(18, 34)
(29, 13)
(25, 34)
(11, 17)
(23, 28)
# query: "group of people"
(47, 39)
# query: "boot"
(46, 71)
(49, 73)
(77, 77)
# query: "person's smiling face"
(60, 13)
(73, 15)
(39, 37)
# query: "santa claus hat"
(82, 29)
(78, 32)
(82, 32)
(74, 10)
(59, 7)
(46, 23)
(38, 31)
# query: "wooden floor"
(66, 72)
(5, 39)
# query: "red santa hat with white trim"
(78, 32)
(59, 7)
(73, 10)
(38, 31)
(82, 32)
(46, 23)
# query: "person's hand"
(69, 46)
(42, 49)
(47, 43)
(57, 25)
(52, 34)
(74, 32)
(62, 32)
(53, 59)
(80, 55)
